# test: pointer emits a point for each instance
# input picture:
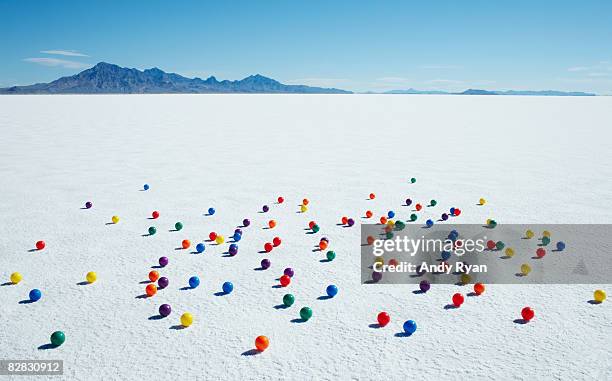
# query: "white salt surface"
(535, 159)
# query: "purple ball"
(165, 310)
(265, 263)
(376, 276)
(424, 285)
(163, 261)
(350, 222)
(238, 231)
(163, 282)
(325, 239)
(265, 208)
(246, 222)
(408, 202)
(233, 249)
(88, 204)
(289, 272)
(444, 216)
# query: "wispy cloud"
(56, 62)
(70, 53)
(444, 81)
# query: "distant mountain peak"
(107, 78)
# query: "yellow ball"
(529, 234)
(220, 239)
(115, 219)
(509, 252)
(488, 221)
(525, 269)
(465, 279)
(546, 233)
(482, 201)
(390, 223)
(16, 278)
(379, 260)
(186, 319)
(303, 208)
(91, 276)
(599, 296)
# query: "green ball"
(152, 230)
(58, 338)
(500, 245)
(413, 217)
(315, 228)
(433, 203)
(288, 300)
(331, 255)
(389, 235)
(492, 223)
(413, 180)
(399, 225)
(306, 313)
(178, 225)
(545, 241)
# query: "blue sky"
(355, 45)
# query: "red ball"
(418, 207)
(479, 288)
(268, 247)
(276, 242)
(458, 300)
(383, 319)
(212, 236)
(491, 244)
(344, 220)
(372, 196)
(155, 214)
(285, 280)
(540, 252)
(40, 245)
(368, 214)
(457, 211)
(527, 313)
(311, 224)
(280, 200)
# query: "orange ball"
(372, 196)
(305, 201)
(323, 245)
(371, 240)
(383, 220)
(344, 220)
(151, 290)
(262, 343)
(479, 288)
(271, 224)
(153, 276)
(368, 214)
(186, 243)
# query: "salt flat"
(535, 159)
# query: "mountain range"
(105, 78)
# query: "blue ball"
(35, 295)
(445, 255)
(237, 237)
(332, 290)
(429, 223)
(211, 211)
(200, 247)
(560, 246)
(194, 282)
(452, 211)
(228, 287)
(391, 214)
(146, 187)
(410, 327)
